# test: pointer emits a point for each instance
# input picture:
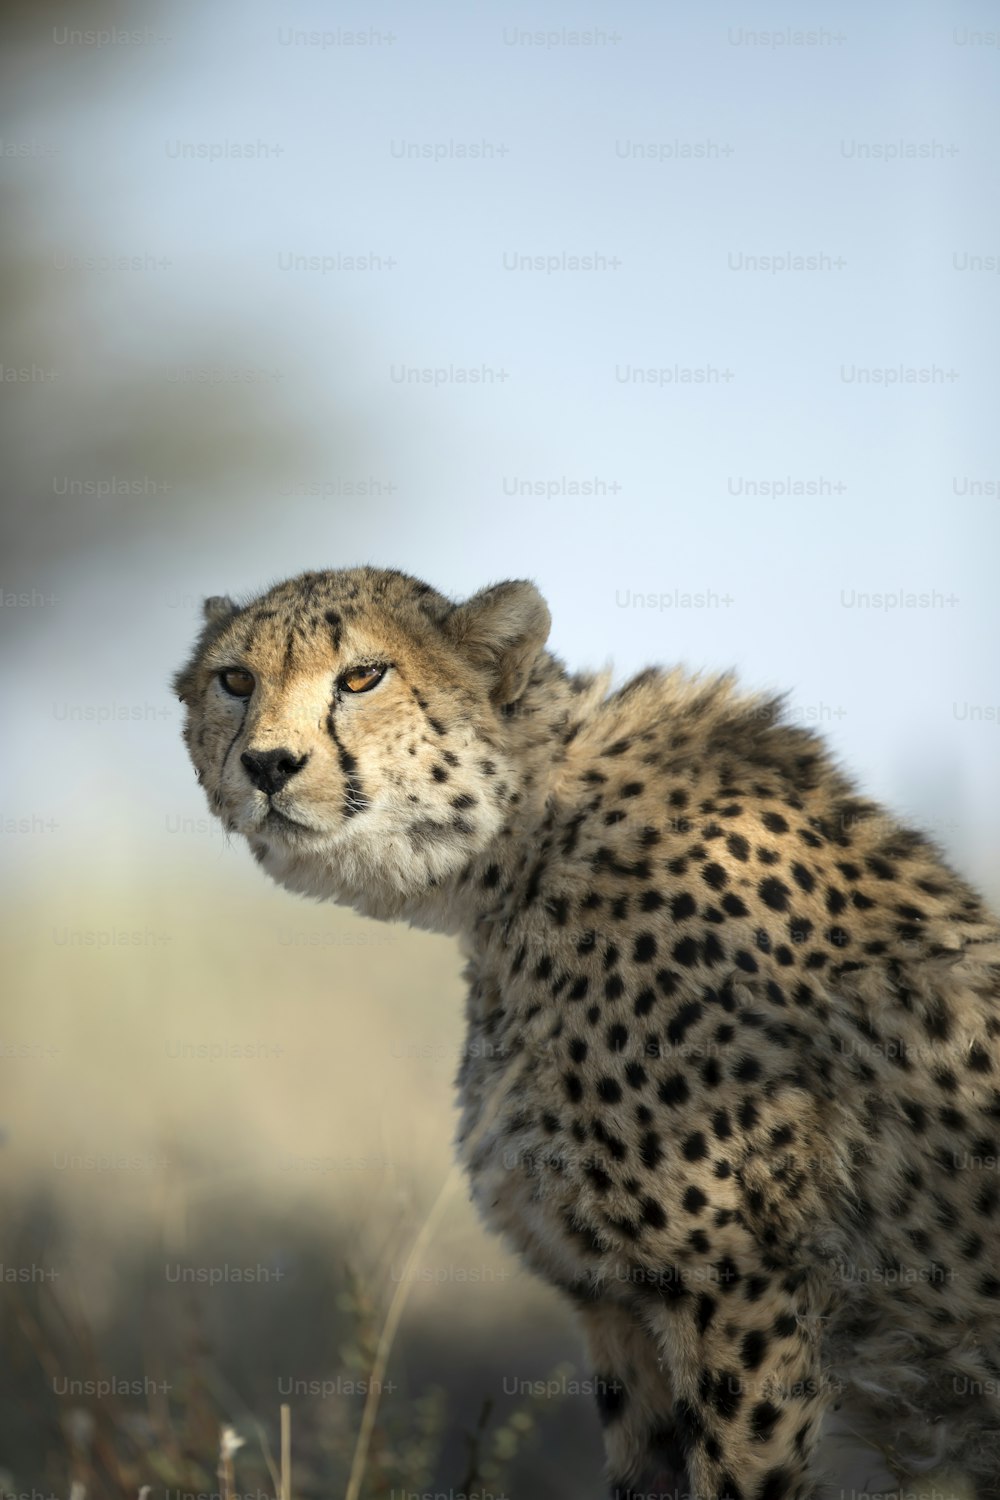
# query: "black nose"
(270, 769)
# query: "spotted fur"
(732, 1079)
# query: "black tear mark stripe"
(355, 798)
(336, 627)
(232, 742)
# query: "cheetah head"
(353, 726)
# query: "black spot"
(695, 1148)
(609, 1090)
(753, 1349)
(650, 901)
(686, 952)
(574, 1088)
(694, 1200)
(644, 1002)
(610, 1397)
(674, 1089)
(682, 906)
(705, 1312)
(777, 1485)
(747, 1070)
(534, 881)
(597, 1177)
(774, 893)
(728, 1394)
(748, 1114)
(652, 1214)
(738, 846)
(650, 1152)
(572, 832)
(645, 948)
(714, 875)
(774, 822)
(685, 1018)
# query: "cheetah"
(731, 1080)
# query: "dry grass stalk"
(286, 1453)
(229, 1442)
(388, 1334)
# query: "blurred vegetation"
(131, 1147)
(173, 1429)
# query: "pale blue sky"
(786, 128)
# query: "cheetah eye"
(361, 679)
(237, 682)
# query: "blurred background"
(688, 315)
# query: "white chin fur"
(374, 870)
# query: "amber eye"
(361, 679)
(237, 682)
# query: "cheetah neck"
(536, 736)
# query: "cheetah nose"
(270, 769)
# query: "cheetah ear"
(501, 630)
(218, 608)
(216, 611)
